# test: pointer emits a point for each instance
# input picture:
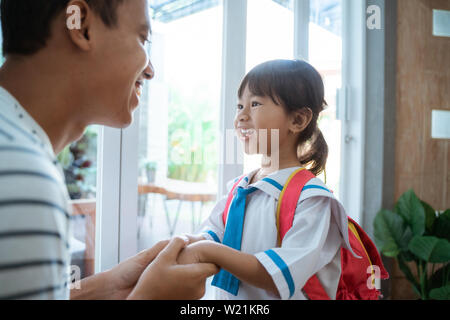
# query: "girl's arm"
(244, 266)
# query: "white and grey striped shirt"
(34, 210)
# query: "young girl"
(288, 96)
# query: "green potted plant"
(417, 235)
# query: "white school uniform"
(311, 246)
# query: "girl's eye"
(255, 104)
(240, 107)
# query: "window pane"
(179, 120)
(79, 162)
(325, 52)
(270, 31)
(270, 35)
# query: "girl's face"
(257, 121)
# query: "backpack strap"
(229, 200)
(287, 202)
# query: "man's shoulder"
(25, 169)
(20, 154)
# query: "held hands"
(197, 250)
(193, 238)
(193, 253)
(121, 280)
(165, 278)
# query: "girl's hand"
(194, 253)
(193, 238)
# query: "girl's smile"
(245, 134)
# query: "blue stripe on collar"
(274, 183)
(280, 187)
(315, 187)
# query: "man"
(56, 81)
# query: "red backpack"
(354, 284)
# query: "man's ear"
(78, 21)
(300, 120)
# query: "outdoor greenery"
(415, 234)
(79, 164)
(192, 137)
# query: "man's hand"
(193, 238)
(122, 278)
(118, 282)
(165, 279)
(194, 253)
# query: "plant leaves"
(442, 293)
(440, 277)
(407, 272)
(389, 231)
(403, 240)
(411, 210)
(430, 217)
(408, 256)
(430, 249)
(442, 225)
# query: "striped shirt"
(34, 210)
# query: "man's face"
(119, 65)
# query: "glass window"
(179, 120)
(270, 31)
(79, 162)
(325, 53)
(270, 35)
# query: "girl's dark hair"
(294, 84)
(26, 23)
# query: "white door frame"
(129, 174)
(352, 113)
(117, 194)
(108, 199)
(233, 71)
(301, 29)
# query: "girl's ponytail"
(314, 153)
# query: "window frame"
(353, 123)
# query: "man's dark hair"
(26, 24)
